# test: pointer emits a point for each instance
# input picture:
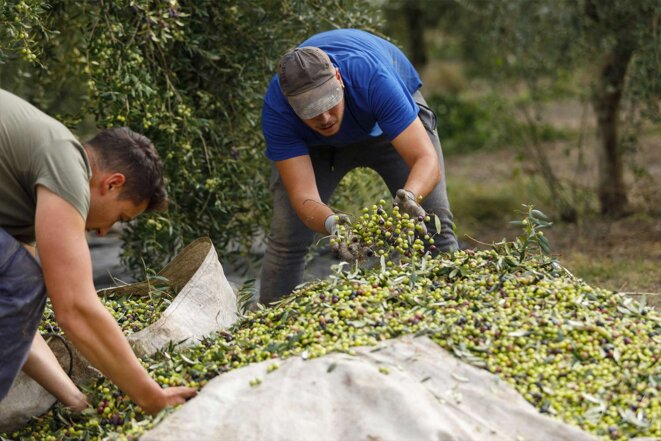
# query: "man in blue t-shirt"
(344, 99)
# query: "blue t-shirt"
(379, 83)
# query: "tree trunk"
(606, 99)
(415, 24)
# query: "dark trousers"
(22, 301)
(289, 238)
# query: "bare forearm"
(417, 150)
(313, 213)
(98, 337)
(423, 177)
(297, 175)
(43, 367)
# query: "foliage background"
(606, 53)
(191, 76)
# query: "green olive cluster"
(377, 232)
(586, 356)
(133, 312)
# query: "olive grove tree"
(188, 74)
(615, 44)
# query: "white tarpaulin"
(204, 304)
(407, 389)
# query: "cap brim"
(314, 102)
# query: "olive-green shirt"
(35, 149)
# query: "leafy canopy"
(191, 76)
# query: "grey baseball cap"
(307, 78)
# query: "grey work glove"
(341, 244)
(406, 202)
(333, 222)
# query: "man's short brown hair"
(134, 155)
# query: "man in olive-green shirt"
(52, 190)
(47, 154)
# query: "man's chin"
(330, 131)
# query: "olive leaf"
(437, 224)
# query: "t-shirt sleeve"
(280, 134)
(61, 167)
(393, 106)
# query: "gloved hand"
(342, 244)
(406, 202)
(333, 222)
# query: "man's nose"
(102, 231)
(324, 117)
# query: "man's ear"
(114, 181)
